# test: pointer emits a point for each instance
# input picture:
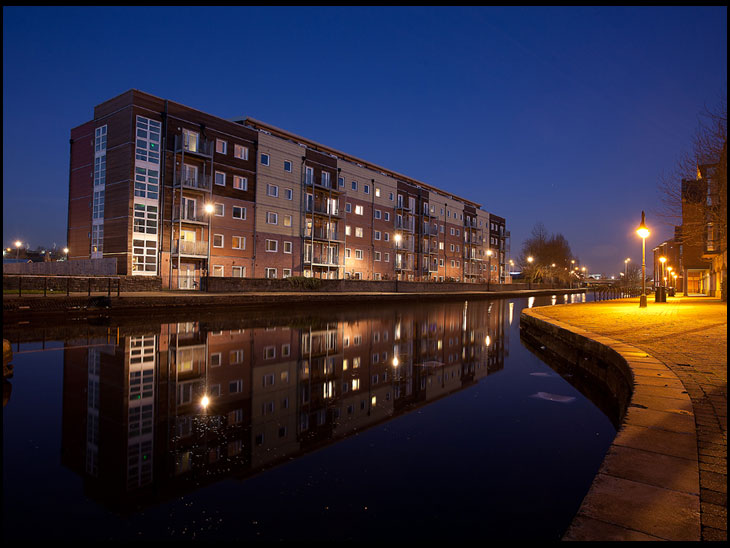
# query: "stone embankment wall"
(243, 285)
(80, 284)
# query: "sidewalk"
(689, 336)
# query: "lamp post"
(209, 208)
(489, 277)
(626, 269)
(398, 258)
(18, 243)
(663, 260)
(643, 232)
(65, 253)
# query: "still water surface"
(419, 421)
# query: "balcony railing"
(188, 217)
(186, 247)
(196, 182)
(198, 147)
(317, 185)
(405, 224)
(321, 234)
(323, 210)
(322, 260)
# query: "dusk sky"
(566, 116)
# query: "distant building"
(145, 170)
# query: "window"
(391, 196)
(348, 252)
(98, 204)
(218, 209)
(264, 159)
(287, 247)
(190, 139)
(358, 210)
(288, 194)
(146, 182)
(272, 190)
(239, 242)
(286, 272)
(272, 218)
(145, 218)
(386, 257)
(386, 236)
(239, 271)
(218, 271)
(377, 214)
(366, 189)
(309, 175)
(377, 234)
(97, 239)
(271, 272)
(215, 359)
(325, 179)
(239, 213)
(387, 216)
(235, 356)
(100, 170)
(240, 152)
(341, 182)
(287, 166)
(220, 178)
(100, 139)
(272, 246)
(217, 240)
(348, 207)
(377, 192)
(377, 255)
(148, 140)
(221, 147)
(144, 256)
(358, 254)
(240, 183)
(358, 232)
(354, 185)
(287, 220)
(348, 230)
(234, 387)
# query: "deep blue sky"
(566, 116)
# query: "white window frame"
(240, 152)
(240, 183)
(215, 178)
(272, 248)
(218, 147)
(243, 211)
(265, 159)
(223, 238)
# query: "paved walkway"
(689, 336)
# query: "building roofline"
(258, 124)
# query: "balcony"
(321, 234)
(199, 182)
(197, 147)
(322, 260)
(188, 217)
(319, 187)
(404, 224)
(189, 248)
(323, 209)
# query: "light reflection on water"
(348, 424)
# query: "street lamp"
(209, 209)
(643, 232)
(489, 277)
(663, 260)
(626, 268)
(18, 243)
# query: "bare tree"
(709, 147)
(551, 256)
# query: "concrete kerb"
(647, 487)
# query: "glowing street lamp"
(18, 243)
(663, 260)
(489, 276)
(643, 232)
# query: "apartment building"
(173, 192)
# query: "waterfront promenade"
(688, 335)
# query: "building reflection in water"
(150, 416)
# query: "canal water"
(416, 421)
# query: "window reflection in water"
(187, 405)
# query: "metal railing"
(66, 282)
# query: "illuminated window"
(240, 152)
(240, 183)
